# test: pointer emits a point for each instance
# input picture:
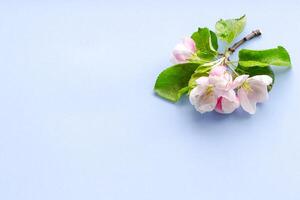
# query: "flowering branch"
(250, 36)
(211, 79)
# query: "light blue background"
(79, 120)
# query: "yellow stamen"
(246, 86)
(209, 90)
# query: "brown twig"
(252, 35)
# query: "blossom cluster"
(212, 79)
(219, 91)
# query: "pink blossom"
(214, 92)
(252, 90)
(184, 50)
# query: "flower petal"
(220, 78)
(194, 94)
(184, 50)
(217, 70)
(259, 92)
(263, 79)
(219, 82)
(230, 106)
(218, 107)
(230, 94)
(238, 81)
(226, 106)
(248, 104)
(181, 53)
(189, 43)
(203, 81)
(206, 103)
(202, 100)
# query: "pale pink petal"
(258, 85)
(238, 81)
(230, 106)
(203, 80)
(181, 53)
(189, 43)
(217, 70)
(195, 93)
(220, 78)
(248, 104)
(206, 103)
(226, 106)
(181, 48)
(180, 57)
(174, 60)
(184, 50)
(228, 94)
(219, 82)
(228, 76)
(263, 79)
(203, 101)
(258, 91)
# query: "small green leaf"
(277, 57)
(228, 30)
(256, 70)
(172, 83)
(206, 43)
(214, 40)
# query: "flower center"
(209, 90)
(246, 86)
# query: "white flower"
(184, 50)
(252, 90)
(214, 92)
(203, 96)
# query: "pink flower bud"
(184, 50)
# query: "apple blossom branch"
(248, 37)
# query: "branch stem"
(248, 37)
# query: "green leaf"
(228, 30)
(214, 40)
(172, 83)
(277, 57)
(206, 43)
(256, 70)
(200, 71)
